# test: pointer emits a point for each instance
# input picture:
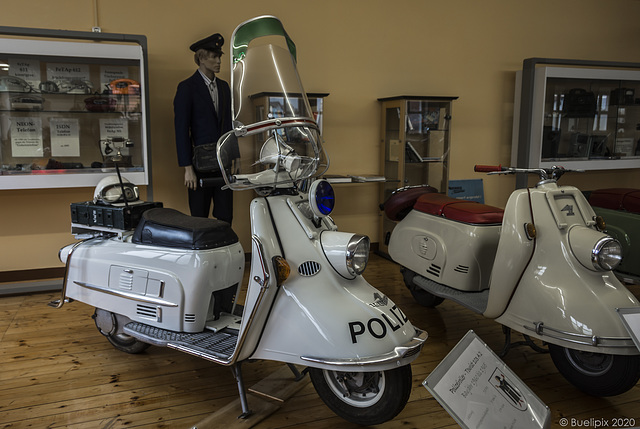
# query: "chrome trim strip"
(587, 340)
(298, 215)
(405, 350)
(63, 291)
(128, 295)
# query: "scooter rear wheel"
(107, 324)
(365, 398)
(421, 296)
(596, 374)
(127, 344)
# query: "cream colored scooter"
(542, 266)
(175, 280)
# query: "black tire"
(421, 296)
(372, 398)
(126, 343)
(596, 374)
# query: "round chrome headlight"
(347, 253)
(358, 254)
(606, 254)
(595, 250)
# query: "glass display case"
(414, 147)
(581, 115)
(272, 103)
(68, 107)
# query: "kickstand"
(297, 375)
(527, 342)
(507, 341)
(237, 374)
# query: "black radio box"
(116, 217)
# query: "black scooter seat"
(170, 228)
(459, 210)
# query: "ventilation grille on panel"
(462, 269)
(434, 270)
(147, 311)
(309, 268)
(190, 318)
(126, 281)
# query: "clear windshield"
(272, 144)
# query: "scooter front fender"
(333, 323)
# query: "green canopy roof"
(258, 27)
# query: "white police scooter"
(174, 281)
(542, 267)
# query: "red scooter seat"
(627, 199)
(400, 203)
(458, 210)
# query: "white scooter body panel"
(580, 303)
(513, 254)
(456, 254)
(134, 280)
(324, 320)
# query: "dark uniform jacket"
(196, 121)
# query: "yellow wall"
(358, 51)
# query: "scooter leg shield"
(335, 325)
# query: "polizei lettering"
(378, 327)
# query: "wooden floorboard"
(57, 371)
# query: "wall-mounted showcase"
(414, 143)
(67, 107)
(272, 104)
(578, 114)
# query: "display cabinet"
(578, 114)
(67, 107)
(414, 142)
(272, 103)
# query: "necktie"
(213, 88)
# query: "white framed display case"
(578, 114)
(414, 147)
(69, 102)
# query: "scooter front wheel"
(365, 398)
(596, 374)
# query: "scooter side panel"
(133, 280)
(513, 253)
(558, 292)
(452, 253)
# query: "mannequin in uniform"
(202, 113)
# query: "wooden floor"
(56, 370)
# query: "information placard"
(631, 320)
(65, 137)
(26, 137)
(479, 391)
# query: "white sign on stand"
(631, 320)
(479, 391)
